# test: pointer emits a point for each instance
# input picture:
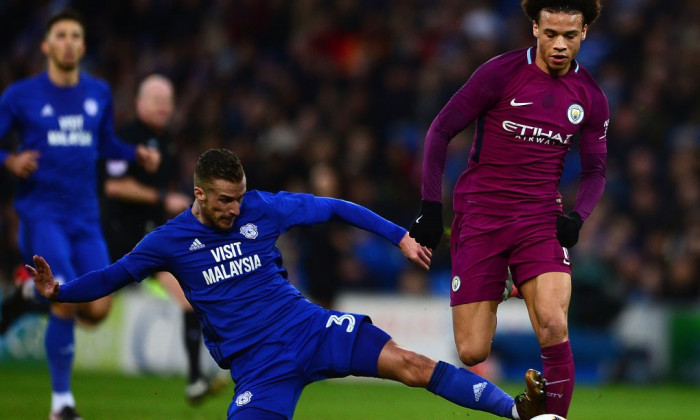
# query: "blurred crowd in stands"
(334, 97)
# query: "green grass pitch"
(24, 394)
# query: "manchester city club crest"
(575, 114)
(249, 230)
(456, 282)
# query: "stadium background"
(334, 97)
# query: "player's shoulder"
(267, 196)
(497, 72)
(277, 198)
(587, 80)
(257, 195)
(181, 225)
(277, 203)
(21, 86)
(95, 84)
(260, 200)
(508, 60)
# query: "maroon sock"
(558, 370)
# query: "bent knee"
(473, 349)
(90, 320)
(95, 312)
(470, 357)
(552, 333)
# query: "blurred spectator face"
(325, 181)
(155, 102)
(559, 37)
(64, 45)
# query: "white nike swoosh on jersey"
(513, 103)
(418, 219)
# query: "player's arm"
(7, 118)
(448, 123)
(25, 162)
(592, 181)
(363, 218)
(86, 288)
(473, 99)
(427, 228)
(470, 101)
(590, 190)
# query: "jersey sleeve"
(111, 146)
(592, 183)
(474, 98)
(595, 130)
(147, 257)
(7, 120)
(95, 284)
(306, 209)
(593, 155)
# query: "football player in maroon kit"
(527, 106)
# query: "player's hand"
(148, 157)
(43, 279)
(427, 228)
(416, 252)
(568, 226)
(24, 163)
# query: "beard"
(65, 65)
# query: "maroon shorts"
(484, 246)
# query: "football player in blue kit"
(64, 119)
(274, 341)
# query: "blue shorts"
(72, 248)
(272, 374)
(483, 246)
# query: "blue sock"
(59, 343)
(469, 390)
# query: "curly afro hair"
(589, 8)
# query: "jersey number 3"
(335, 319)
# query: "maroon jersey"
(525, 120)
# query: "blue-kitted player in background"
(64, 118)
(274, 341)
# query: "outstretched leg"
(457, 385)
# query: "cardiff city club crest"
(244, 398)
(249, 230)
(90, 106)
(575, 114)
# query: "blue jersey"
(234, 279)
(70, 127)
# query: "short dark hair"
(218, 164)
(66, 14)
(590, 9)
